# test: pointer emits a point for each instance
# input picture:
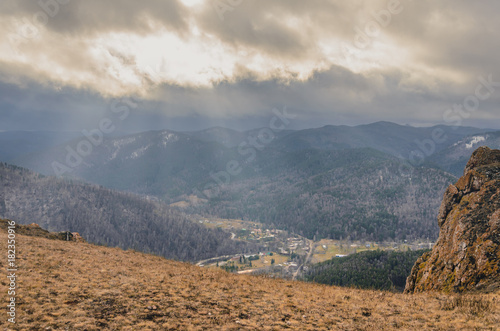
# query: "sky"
(67, 65)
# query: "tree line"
(380, 270)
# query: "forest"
(380, 270)
(358, 194)
(299, 184)
(109, 218)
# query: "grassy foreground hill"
(78, 286)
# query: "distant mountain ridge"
(386, 137)
(454, 158)
(229, 137)
(345, 181)
(155, 162)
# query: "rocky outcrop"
(34, 230)
(77, 237)
(466, 257)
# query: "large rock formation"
(466, 256)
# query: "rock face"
(466, 256)
(77, 237)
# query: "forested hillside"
(382, 270)
(330, 182)
(105, 217)
(387, 137)
(350, 194)
(164, 163)
(454, 158)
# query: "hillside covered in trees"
(330, 182)
(109, 218)
(381, 270)
(348, 194)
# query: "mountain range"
(454, 158)
(331, 182)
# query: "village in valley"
(284, 254)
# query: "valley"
(287, 255)
(307, 197)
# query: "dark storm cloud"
(440, 50)
(81, 17)
(336, 93)
(280, 28)
(28, 105)
(461, 35)
(335, 96)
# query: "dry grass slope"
(79, 286)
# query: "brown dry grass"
(78, 286)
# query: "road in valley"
(306, 261)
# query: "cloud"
(185, 61)
(92, 17)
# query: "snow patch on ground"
(475, 140)
(118, 144)
(123, 141)
(139, 152)
(168, 137)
